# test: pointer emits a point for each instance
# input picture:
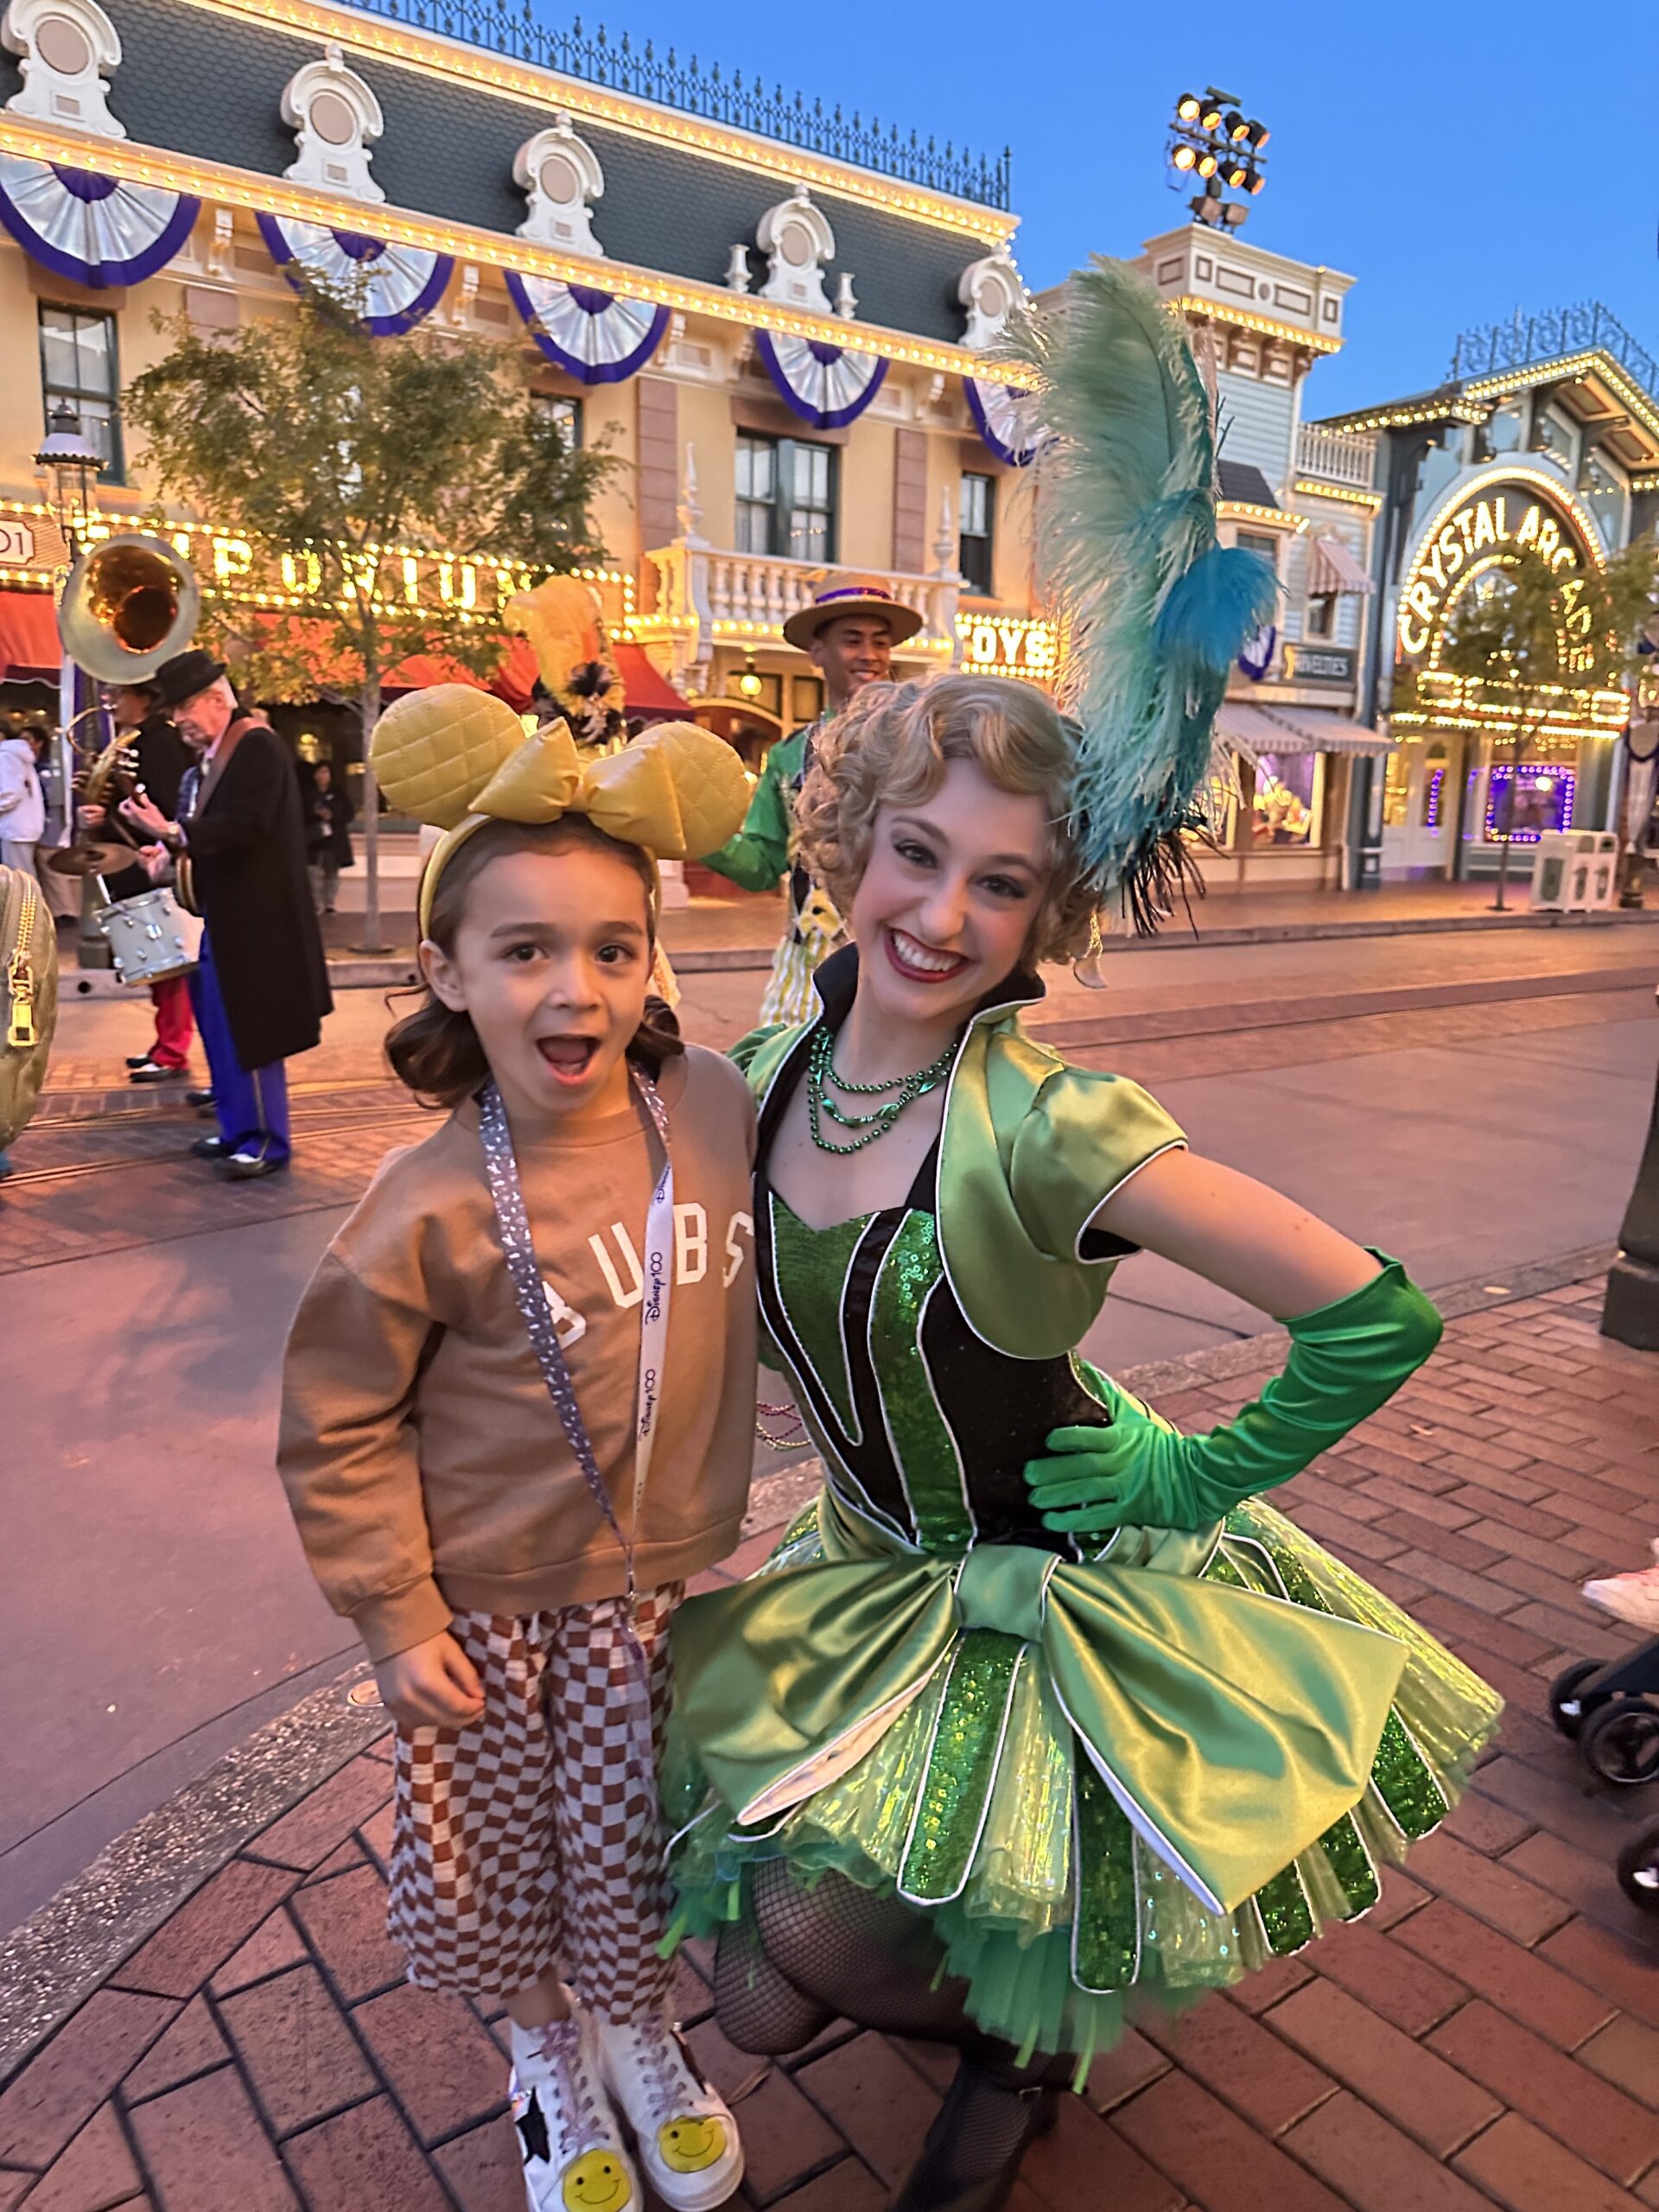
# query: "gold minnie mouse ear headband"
(457, 758)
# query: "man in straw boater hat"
(847, 633)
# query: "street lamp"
(67, 468)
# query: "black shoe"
(197, 1098)
(210, 1148)
(248, 1168)
(153, 1072)
(137, 1059)
(971, 2159)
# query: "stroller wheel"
(1639, 1869)
(1620, 1742)
(1566, 1708)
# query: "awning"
(1253, 729)
(648, 691)
(30, 648)
(1332, 568)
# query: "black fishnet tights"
(811, 1956)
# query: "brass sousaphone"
(131, 603)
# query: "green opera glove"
(1346, 1359)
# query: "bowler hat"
(847, 596)
(182, 678)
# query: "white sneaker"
(684, 2134)
(1632, 1598)
(569, 2133)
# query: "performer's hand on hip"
(432, 1685)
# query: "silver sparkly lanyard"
(517, 1245)
(501, 1166)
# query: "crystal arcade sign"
(1492, 524)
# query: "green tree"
(313, 440)
(1526, 633)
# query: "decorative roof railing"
(514, 31)
(1526, 339)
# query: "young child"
(518, 1411)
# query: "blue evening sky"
(1458, 162)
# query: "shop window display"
(1543, 800)
(1283, 804)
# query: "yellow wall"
(704, 410)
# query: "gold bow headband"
(457, 758)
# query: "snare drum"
(152, 937)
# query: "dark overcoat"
(247, 842)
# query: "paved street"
(1489, 2035)
(1472, 1103)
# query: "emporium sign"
(1495, 523)
(233, 568)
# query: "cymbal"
(93, 859)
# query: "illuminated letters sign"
(1008, 644)
(1497, 524)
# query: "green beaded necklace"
(822, 1081)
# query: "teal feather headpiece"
(1152, 610)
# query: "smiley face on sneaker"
(596, 2181)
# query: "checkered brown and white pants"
(522, 1843)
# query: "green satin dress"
(1108, 1777)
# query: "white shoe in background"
(1633, 1597)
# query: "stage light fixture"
(1183, 157)
(1254, 181)
(1237, 129)
(1258, 134)
(1234, 213)
(1206, 164)
(1211, 118)
(1189, 107)
(1236, 171)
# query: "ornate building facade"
(774, 319)
(1543, 444)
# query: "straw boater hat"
(851, 595)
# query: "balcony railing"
(1347, 457)
(705, 598)
(502, 27)
(1525, 338)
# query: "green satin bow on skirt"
(1147, 1772)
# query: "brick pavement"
(1489, 2035)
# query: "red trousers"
(173, 1024)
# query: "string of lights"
(1210, 142)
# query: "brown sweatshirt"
(422, 1455)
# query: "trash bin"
(1550, 872)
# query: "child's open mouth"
(569, 1058)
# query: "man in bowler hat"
(262, 987)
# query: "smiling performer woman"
(1038, 1713)
(517, 1415)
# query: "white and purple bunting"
(94, 230)
(592, 333)
(828, 386)
(1003, 413)
(392, 286)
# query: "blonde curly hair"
(890, 747)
